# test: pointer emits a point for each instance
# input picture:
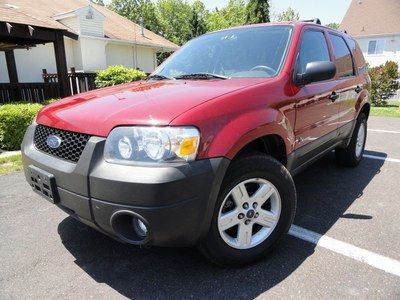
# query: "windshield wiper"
(159, 77)
(201, 76)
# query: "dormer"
(86, 20)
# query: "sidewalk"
(9, 153)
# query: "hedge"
(384, 82)
(116, 75)
(14, 119)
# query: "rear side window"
(344, 62)
(358, 56)
(313, 47)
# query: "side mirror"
(316, 71)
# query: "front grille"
(71, 147)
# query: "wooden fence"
(78, 82)
(35, 92)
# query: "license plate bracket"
(43, 183)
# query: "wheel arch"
(366, 108)
(363, 104)
(271, 144)
(267, 131)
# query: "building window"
(376, 46)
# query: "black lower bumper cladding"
(172, 204)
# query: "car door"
(316, 108)
(348, 85)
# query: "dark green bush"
(383, 82)
(117, 74)
(14, 119)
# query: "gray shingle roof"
(41, 13)
(372, 17)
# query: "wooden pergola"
(16, 36)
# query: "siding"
(93, 54)
(71, 22)
(91, 27)
(83, 26)
(69, 52)
(89, 54)
(3, 68)
(120, 55)
(146, 60)
(391, 50)
(31, 62)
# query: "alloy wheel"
(360, 140)
(249, 213)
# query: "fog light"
(140, 227)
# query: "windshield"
(240, 52)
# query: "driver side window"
(313, 47)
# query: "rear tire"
(353, 153)
(256, 190)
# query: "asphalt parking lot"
(46, 254)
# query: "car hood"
(141, 103)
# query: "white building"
(104, 38)
(375, 24)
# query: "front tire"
(353, 153)
(254, 210)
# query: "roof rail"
(316, 21)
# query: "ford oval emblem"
(53, 141)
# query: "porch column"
(11, 66)
(61, 63)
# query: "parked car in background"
(203, 152)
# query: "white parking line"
(382, 158)
(384, 131)
(383, 263)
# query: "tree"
(383, 82)
(173, 16)
(234, 14)
(134, 10)
(288, 15)
(198, 18)
(257, 11)
(333, 25)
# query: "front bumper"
(176, 201)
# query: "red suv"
(203, 151)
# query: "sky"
(328, 11)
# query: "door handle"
(358, 89)
(334, 96)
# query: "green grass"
(10, 164)
(387, 111)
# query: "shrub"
(50, 101)
(14, 119)
(117, 74)
(383, 82)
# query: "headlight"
(135, 145)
